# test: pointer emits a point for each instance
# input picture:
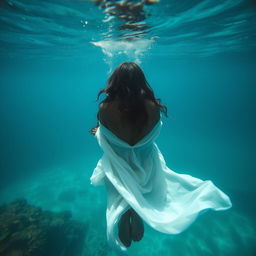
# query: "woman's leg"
(137, 226)
(124, 225)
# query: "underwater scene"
(199, 57)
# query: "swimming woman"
(130, 111)
(139, 184)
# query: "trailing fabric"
(137, 177)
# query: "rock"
(27, 230)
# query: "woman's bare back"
(110, 117)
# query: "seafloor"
(67, 188)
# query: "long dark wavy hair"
(129, 84)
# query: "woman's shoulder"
(153, 107)
(150, 103)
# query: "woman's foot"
(124, 232)
(137, 226)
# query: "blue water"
(198, 56)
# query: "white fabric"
(137, 177)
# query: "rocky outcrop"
(27, 230)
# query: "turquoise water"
(198, 56)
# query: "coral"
(28, 230)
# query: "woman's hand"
(94, 130)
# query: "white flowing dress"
(137, 177)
